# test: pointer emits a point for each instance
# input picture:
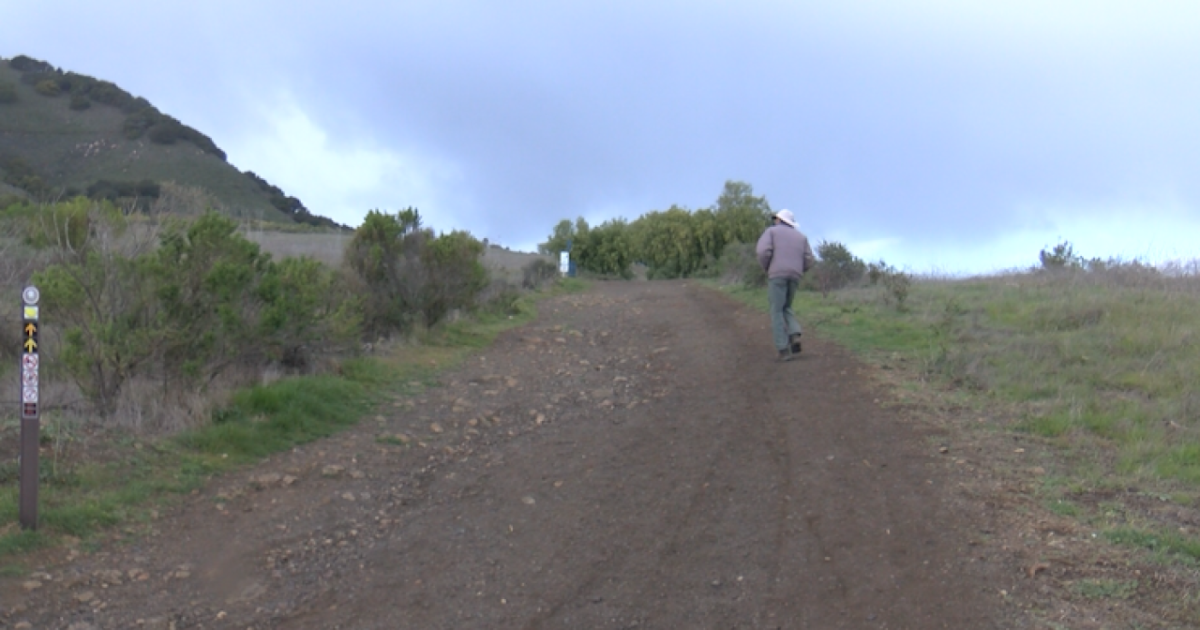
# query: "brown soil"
(635, 458)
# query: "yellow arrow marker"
(30, 329)
(30, 345)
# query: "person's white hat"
(787, 217)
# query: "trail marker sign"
(30, 428)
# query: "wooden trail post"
(30, 428)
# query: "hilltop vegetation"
(64, 134)
(710, 242)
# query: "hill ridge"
(63, 133)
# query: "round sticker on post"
(30, 295)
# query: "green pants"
(780, 293)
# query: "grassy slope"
(1101, 367)
(75, 149)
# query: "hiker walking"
(785, 255)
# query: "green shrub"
(410, 275)
(385, 256)
(166, 131)
(1061, 256)
(739, 265)
(836, 267)
(8, 92)
(606, 249)
(537, 273)
(48, 87)
(205, 302)
(139, 122)
(454, 274)
(24, 63)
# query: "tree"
(606, 249)
(740, 215)
(563, 237)
(665, 242)
(385, 255)
(1062, 256)
(836, 267)
(454, 274)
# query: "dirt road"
(633, 459)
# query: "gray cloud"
(916, 129)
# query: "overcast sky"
(940, 135)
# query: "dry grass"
(1072, 401)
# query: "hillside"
(66, 133)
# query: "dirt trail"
(633, 459)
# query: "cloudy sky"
(939, 135)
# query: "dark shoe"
(785, 355)
(795, 343)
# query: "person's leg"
(789, 317)
(777, 298)
(793, 324)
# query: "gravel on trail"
(634, 458)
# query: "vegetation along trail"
(634, 458)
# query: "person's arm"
(765, 249)
(810, 261)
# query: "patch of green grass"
(270, 418)
(17, 542)
(1053, 425)
(1063, 507)
(1164, 544)
(1106, 589)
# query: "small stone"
(31, 585)
(84, 597)
(436, 428)
(349, 496)
(332, 470)
(528, 500)
(265, 481)
(183, 574)
(23, 625)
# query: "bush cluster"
(163, 129)
(836, 268)
(409, 275)
(19, 174)
(710, 242)
(672, 243)
(184, 306)
(197, 304)
(537, 273)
